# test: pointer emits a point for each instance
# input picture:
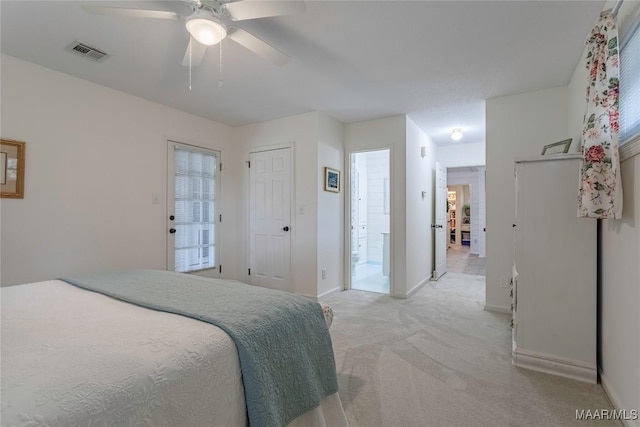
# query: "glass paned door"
(193, 191)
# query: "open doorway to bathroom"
(370, 221)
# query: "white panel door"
(270, 219)
(440, 230)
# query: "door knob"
(172, 230)
(286, 228)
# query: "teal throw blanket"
(283, 342)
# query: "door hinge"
(220, 266)
(220, 217)
(221, 167)
(249, 272)
(249, 163)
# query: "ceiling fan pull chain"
(190, 43)
(220, 82)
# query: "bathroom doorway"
(370, 220)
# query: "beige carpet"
(439, 359)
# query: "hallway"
(459, 260)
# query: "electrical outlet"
(324, 273)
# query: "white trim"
(630, 149)
(613, 396)
(497, 309)
(547, 158)
(328, 294)
(417, 287)
(574, 369)
(309, 296)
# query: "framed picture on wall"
(331, 180)
(557, 147)
(12, 169)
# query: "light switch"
(155, 199)
(301, 209)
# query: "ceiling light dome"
(207, 30)
(456, 134)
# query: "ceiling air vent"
(86, 51)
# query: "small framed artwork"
(331, 180)
(557, 147)
(12, 169)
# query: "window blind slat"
(194, 210)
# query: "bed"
(73, 356)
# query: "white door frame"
(293, 227)
(439, 227)
(170, 206)
(347, 222)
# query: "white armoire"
(554, 290)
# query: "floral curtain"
(600, 193)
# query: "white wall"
(620, 296)
(389, 132)
(482, 213)
(94, 157)
(330, 206)
(411, 214)
(517, 126)
(620, 246)
(420, 177)
(377, 220)
(458, 155)
(299, 132)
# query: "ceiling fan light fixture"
(456, 134)
(207, 30)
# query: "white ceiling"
(355, 60)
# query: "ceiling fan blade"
(253, 9)
(257, 46)
(132, 13)
(197, 53)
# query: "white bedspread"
(76, 358)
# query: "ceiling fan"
(207, 24)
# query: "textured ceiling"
(355, 60)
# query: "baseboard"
(330, 293)
(574, 369)
(617, 403)
(497, 309)
(418, 286)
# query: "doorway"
(463, 233)
(370, 220)
(193, 205)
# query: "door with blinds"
(193, 192)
